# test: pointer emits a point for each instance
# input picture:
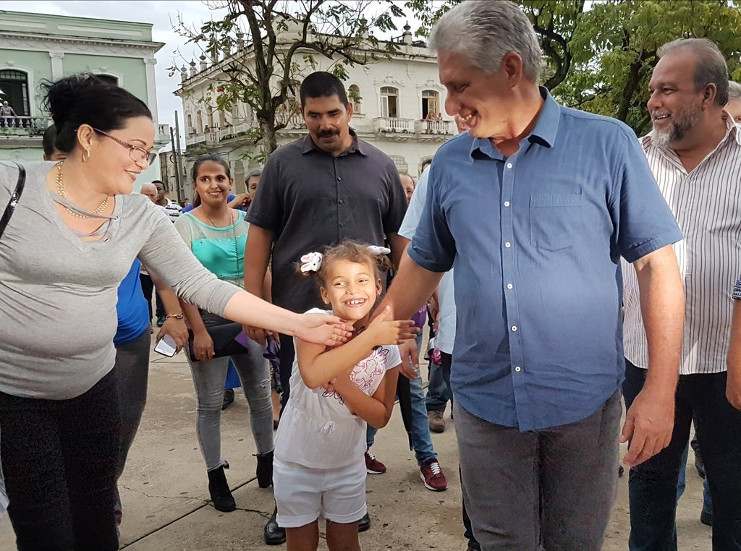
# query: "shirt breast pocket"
(555, 220)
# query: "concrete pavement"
(164, 488)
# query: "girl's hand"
(384, 330)
(322, 329)
(203, 346)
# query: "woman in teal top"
(216, 234)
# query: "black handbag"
(14, 198)
(223, 333)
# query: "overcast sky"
(161, 14)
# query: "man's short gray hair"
(734, 90)
(484, 32)
(710, 67)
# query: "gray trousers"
(553, 487)
(209, 377)
(132, 371)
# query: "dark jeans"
(438, 387)
(132, 370)
(287, 354)
(59, 459)
(653, 484)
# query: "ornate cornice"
(73, 45)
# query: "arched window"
(191, 130)
(389, 102)
(199, 121)
(14, 90)
(110, 79)
(431, 105)
(356, 100)
(400, 162)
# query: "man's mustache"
(328, 133)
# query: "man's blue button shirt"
(535, 240)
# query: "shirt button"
(339, 178)
(341, 224)
(514, 328)
(509, 285)
(508, 244)
(517, 368)
(341, 201)
(509, 165)
(506, 203)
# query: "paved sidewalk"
(164, 488)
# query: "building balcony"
(22, 131)
(212, 136)
(396, 128)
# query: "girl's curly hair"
(352, 251)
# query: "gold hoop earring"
(84, 158)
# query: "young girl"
(319, 464)
(216, 234)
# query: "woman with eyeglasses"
(71, 239)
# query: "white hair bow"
(311, 262)
(375, 249)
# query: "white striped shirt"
(707, 205)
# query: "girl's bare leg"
(303, 538)
(342, 537)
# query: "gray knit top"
(58, 292)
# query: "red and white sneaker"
(373, 465)
(432, 475)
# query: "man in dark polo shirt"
(534, 206)
(315, 192)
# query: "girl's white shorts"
(302, 494)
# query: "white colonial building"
(394, 101)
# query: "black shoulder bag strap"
(14, 198)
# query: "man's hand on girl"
(385, 330)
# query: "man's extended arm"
(411, 288)
(256, 259)
(650, 420)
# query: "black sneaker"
(228, 398)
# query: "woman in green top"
(216, 234)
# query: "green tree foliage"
(265, 47)
(600, 54)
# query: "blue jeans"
(653, 484)
(438, 389)
(421, 441)
(707, 499)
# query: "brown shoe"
(436, 420)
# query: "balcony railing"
(392, 125)
(21, 125)
(432, 127)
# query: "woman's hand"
(384, 330)
(203, 346)
(322, 329)
(177, 330)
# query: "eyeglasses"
(136, 153)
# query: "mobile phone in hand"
(166, 346)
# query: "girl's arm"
(375, 410)
(318, 365)
(733, 384)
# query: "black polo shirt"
(310, 199)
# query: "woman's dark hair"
(196, 167)
(50, 136)
(86, 99)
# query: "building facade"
(35, 48)
(398, 106)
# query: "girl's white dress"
(317, 430)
